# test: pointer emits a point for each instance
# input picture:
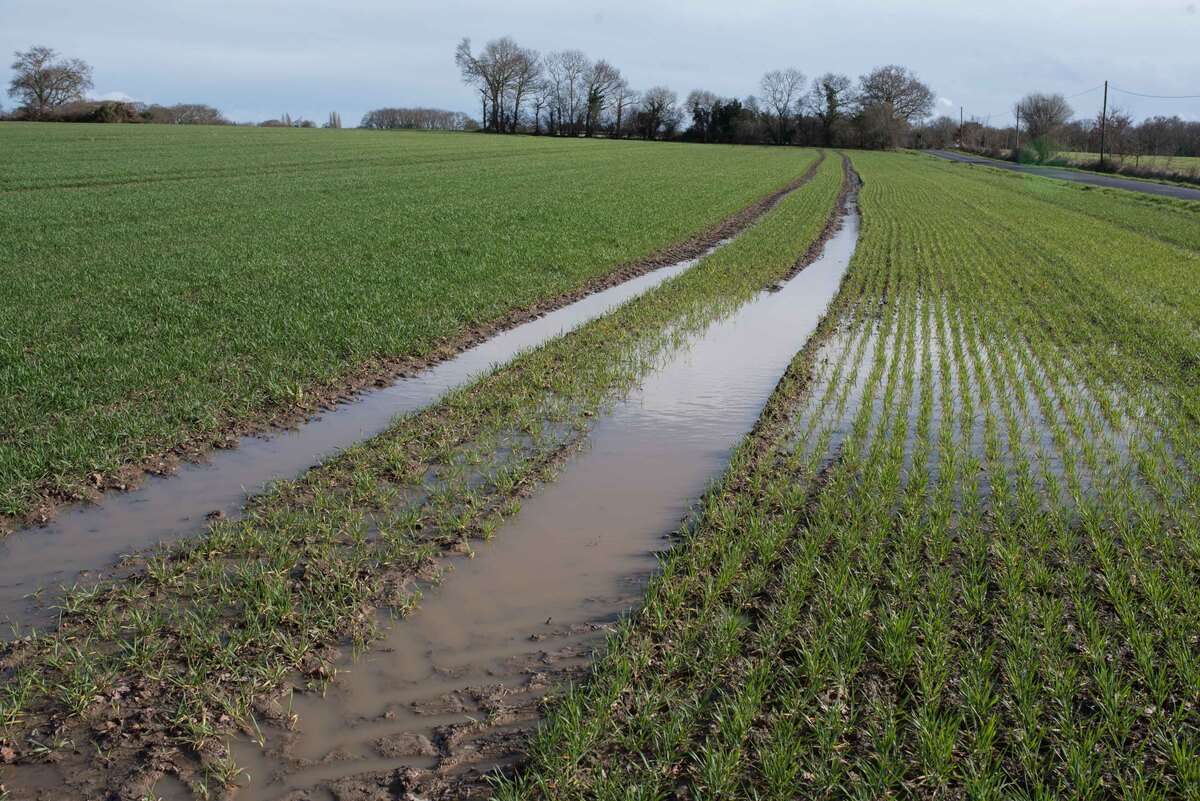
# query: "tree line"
(565, 93)
(1045, 124)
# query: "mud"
(56, 498)
(448, 696)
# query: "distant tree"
(781, 90)
(526, 77)
(602, 79)
(897, 88)
(185, 114)
(424, 119)
(567, 72)
(1044, 114)
(658, 113)
(1119, 138)
(42, 82)
(830, 98)
(624, 99)
(540, 99)
(703, 106)
(493, 71)
(334, 121)
(890, 98)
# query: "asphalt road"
(1147, 187)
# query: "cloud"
(119, 97)
(945, 101)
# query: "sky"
(256, 59)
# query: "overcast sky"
(256, 59)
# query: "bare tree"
(334, 121)
(897, 88)
(526, 76)
(658, 113)
(623, 101)
(602, 79)
(829, 99)
(704, 106)
(567, 72)
(541, 98)
(1118, 132)
(424, 119)
(781, 89)
(43, 82)
(1044, 115)
(493, 71)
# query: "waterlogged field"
(960, 555)
(162, 285)
(192, 642)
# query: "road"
(1147, 187)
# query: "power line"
(1158, 97)
(1001, 114)
(1084, 92)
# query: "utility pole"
(1103, 122)
(1018, 130)
(961, 133)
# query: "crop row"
(959, 556)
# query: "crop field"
(165, 286)
(960, 554)
(206, 628)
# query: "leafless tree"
(191, 114)
(781, 89)
(1119, 140)
(1044, 115)
(658, 113)
(624, 100)
(424, 119)
(828, 101)
(602, 79)
(493, 71)
(526, 77)
(43, 82)
(897, 88)
(567, 71)
(541, 97)
(334, 121)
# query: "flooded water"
(85, 537)
(449, 692)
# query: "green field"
(960, 556)
(1177, 164)
(204, 628)
(162, 283)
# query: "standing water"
(448, 694)
(82, 538)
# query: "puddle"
(449, 693)
(37, 559)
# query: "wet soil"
(449, 696)
(55, 497)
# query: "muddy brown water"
(34, 562)
(448, 694)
